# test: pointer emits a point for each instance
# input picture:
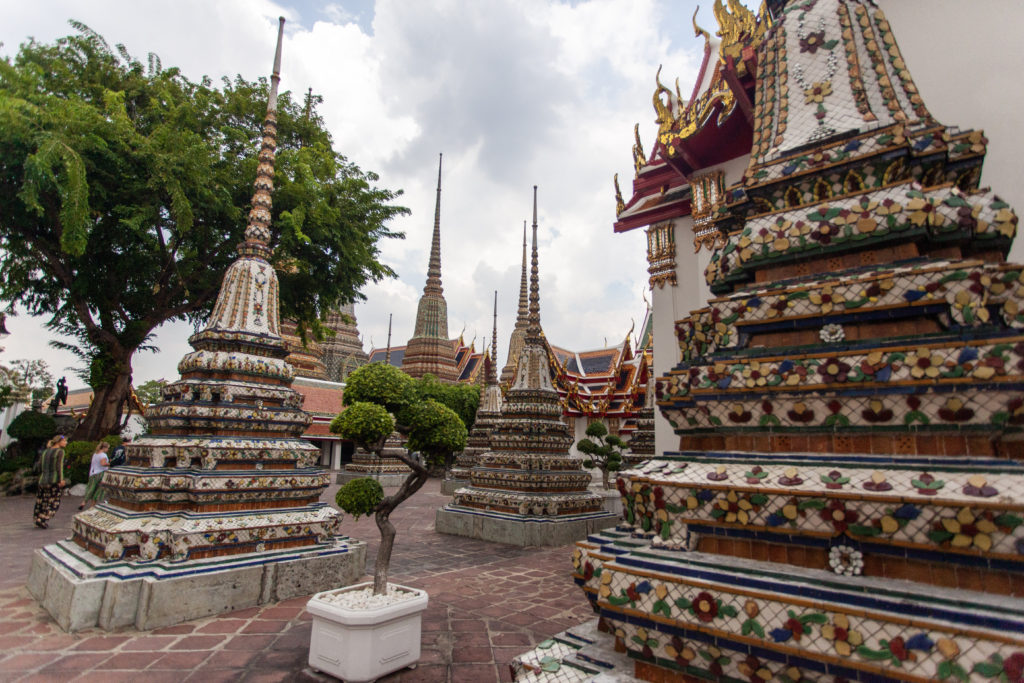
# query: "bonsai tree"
(604, 450)
(464, 399)
(433, 429)
(31, 429)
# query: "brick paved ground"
(488, 603)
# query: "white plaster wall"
(7, 415)
(966, 58)
(672, 303)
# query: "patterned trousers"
(47, 502)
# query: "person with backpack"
(120, 455)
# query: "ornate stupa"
(518, 337)
(527, 490)
(848, 499)
(429, 351)
(487, 416)
(218, 508)
(641, 441)
(305, 358)
(343, 352)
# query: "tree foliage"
(151, 391)
(29, 379)
(32, 426)
(435, 431)
(464, 399)
(604, 450)
(379, 383)
(368, 425)
(360, 496)
(374, 393)
(123, 193)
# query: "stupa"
(218, 508)
(487, 416)
(429, 351)
(343, 352)
(527, 490)
(848, 499)
(306, 358)
(518, 336)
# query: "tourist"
(119, 456)
(99, 465)
(51, 481)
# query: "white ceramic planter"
(359, 645)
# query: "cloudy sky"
(513, 92)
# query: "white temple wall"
(689, 293)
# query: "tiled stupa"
(487, 416)
(218, 507)
(429, 351)
(305, 358)
(527, 490)
(518, 336)
(343, 352)
(848, 500)
(641, 442)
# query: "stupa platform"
(79, 590)
(707, 615)
(517, 529)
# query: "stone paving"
(488, 603)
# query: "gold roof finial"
(620, 205)
(639, 158)
(697, 30)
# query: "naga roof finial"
(663, 108)
(697, 30)
(620, 205)
(639, 158)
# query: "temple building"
(838, 488)
(429, 351)
(527, 490)
(343, 352)
(218, 507)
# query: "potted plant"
(366, 631)
(603, 450)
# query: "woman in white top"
(99, 465)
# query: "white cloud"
(514, 92)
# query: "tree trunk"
(604, 478)
(104, 416)
(382, 515)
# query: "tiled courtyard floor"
(488, 603)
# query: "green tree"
(151, 391)
(433, 429)
(32, 379)
(123, 194)
(604, 450)
(464, 399)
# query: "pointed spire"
(492, 375)
(257, 232)
(387, 354)
(434, 265)
(533, 330)
(523, 301)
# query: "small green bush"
(32, 426)
(360, 496)
(77, 459)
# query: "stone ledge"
(79, 591)
(520, 530)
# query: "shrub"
(360, 496)
(32, 426)
(367, 424)
(77, 458)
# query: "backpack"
(118, 457)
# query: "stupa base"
(582, 653)
(79, 590)
(520, 530)
(385, 479)
(450, 486)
